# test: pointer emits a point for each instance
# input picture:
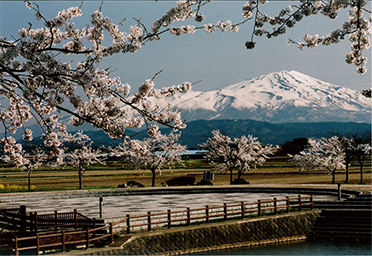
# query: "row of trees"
(225, 154)
(332, 154)
(153, 153)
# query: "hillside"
(197, 132)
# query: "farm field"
(278, 170)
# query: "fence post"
(275, 206)
(23, 219)
(149, 221)
(259, 207)
(111, 232)
(63, 241)
(128, 223)
(225, 211)
(287, 203)
(37, 244)
(100, 206)
(55, 220)
(311, 202)
(207, 214)
(75, 217)
(169, 219)
(31, 222)
(299, 202)
(242, 209)
(339, 191)
(87, 237)
(94, 223)
(16, 245)
(188, 216)
(35, 222)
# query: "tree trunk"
(240, 175)
(348, 160)
(153, 178)
(29, 180)
(334, 177)
(80, 180)
(347, 173)
(361, 169)
(361, 174)
(231, 176)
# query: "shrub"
(205, 182)
(131, 184)
(181, 181)
(240, 181)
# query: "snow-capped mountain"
(285, 96)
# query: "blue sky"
(218, 59)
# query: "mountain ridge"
(197, 132)
(278, 97)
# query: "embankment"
(205, 237)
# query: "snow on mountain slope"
(274, 90)
(285, 96)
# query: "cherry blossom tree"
(357, 148)
(27, 162)
(153, 153)
(58, 67)
(77, 152)
(38, 83)
(238, 154)
(325, 153)
(361, 152)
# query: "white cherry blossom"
(153, 153)
(325, 153)
(238, 154)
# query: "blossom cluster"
(15, 114)
(77, 151)
(182, 11)
(152, 153)
(188, 29)
(15, 155)
(360, 38)
(357, 27)
(325, 153)
(12, 151)
(223, 26)
(239, 154)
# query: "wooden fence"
(151, 220)
(58, 220)
(18, 220)
(13, 219)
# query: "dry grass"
(276, 171)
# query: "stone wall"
(230, 234)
